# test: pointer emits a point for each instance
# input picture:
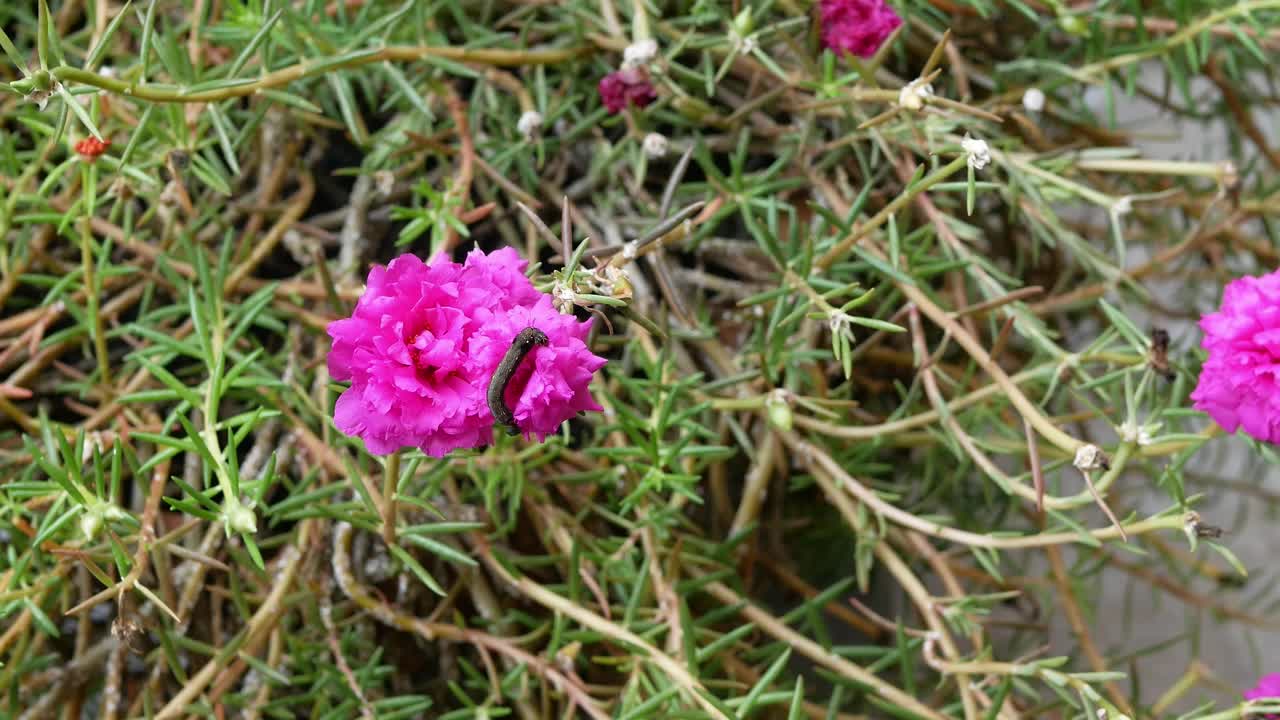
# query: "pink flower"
(550, 386)
(1268, 689)
(628, 86)
(424, 342)
(1240, 382)
(857, 26)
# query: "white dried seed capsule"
(640, 53)
(1033, 100)
(979, 153)
(655, 145)
(1090, 457)
(40, 98)
(1133, 433)
(913, 94)
(529, 124)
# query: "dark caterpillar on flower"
(524, 342)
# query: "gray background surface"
(1127, 614)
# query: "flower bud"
(777, 408)
(43, 80)
(1073, 25)
(90, 522)
(239, 518)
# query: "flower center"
(433, 356)
(416, 344)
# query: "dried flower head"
(529, 124)
(1033, 100)
(857, 26)
(913, 94)
(1132, 432)
(1240, 382)
(655, 145)
(628, 86)
(1090, 457)
(424, 342)
(977, 150)
(640, 53)
(40, 98)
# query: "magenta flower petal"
(1239, 382)
(857, 26)
(1268, 688)
(503, 269)
(551, 385)
(426, 338)
(629, 86)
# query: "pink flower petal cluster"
(1240, 382)
(628, 86)
(425, 340)
(1268, 688)
(857, 26)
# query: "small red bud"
(91, 147)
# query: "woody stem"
(278, 78)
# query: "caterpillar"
(525, 340)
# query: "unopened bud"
(89, 523)
(239, 518)
(1073, 25)
(778, 409)
(43, 80)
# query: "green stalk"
(91, 305)
(315, 67)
